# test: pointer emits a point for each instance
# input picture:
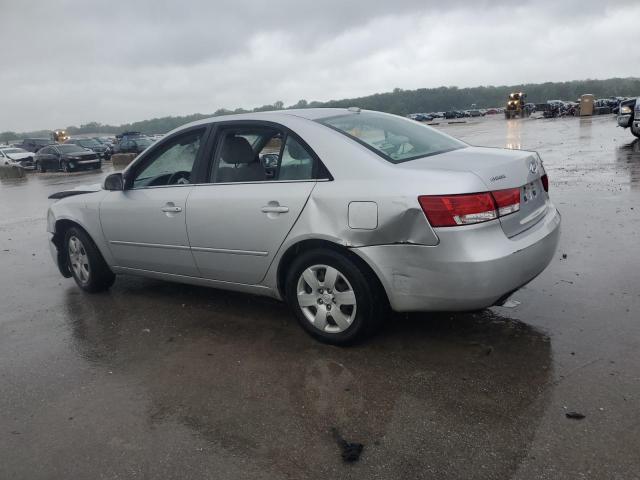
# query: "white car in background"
(17, 157)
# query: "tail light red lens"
(452, 210)
(467, 209)
(507, 201)
(545, 182)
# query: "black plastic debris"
(575, 415)
(350, 451)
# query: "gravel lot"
(158, 380)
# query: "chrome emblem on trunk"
(533, 167)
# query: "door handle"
(171, 209)
(274, 209)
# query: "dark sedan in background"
(66, 157)
(133, 145)
(101, 149)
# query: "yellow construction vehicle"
(59, 136)
(515, 106)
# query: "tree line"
(398, 101)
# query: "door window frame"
(143, 160)
(319, 171)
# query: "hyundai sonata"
(342, 213)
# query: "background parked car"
(33, 144)
(134, 145)
(101, 149)
(108, 141)
(66, 157)
(17, 157)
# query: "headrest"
(237, 150)
(296, 151)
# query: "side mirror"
(114, 182)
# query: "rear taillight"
(507, 201)
(545, 182)
(452, 210)
(467, 209)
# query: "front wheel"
(335, 300)
(65, 167)
(86, 264)
(40, 168)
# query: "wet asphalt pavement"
(160, 380)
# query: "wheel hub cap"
(326, 298)
(79, 260)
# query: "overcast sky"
(67, 62)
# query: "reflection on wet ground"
(158, 380)
(237, 372)
(628, 155)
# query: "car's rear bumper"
(472, 267)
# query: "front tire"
(335, 300)
(89, 270)
(40, 168)
(65, 167)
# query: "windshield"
(87, 143)
(70, 148)
(14, 150)
(394, 138)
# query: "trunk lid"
(499, 169)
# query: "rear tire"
(341, 309)
(87, 266)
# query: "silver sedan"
(343, 213)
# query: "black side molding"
(69, 193)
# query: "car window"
(171, 163)
(258, 155)
(296, 163)
(46, 151)
(394, 138)
(70, 148)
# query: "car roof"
(274, 115)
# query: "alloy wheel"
(79, 260)
(326, 298)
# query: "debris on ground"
(564, 256)
(575, 415)
(350, 451)
(511, 304)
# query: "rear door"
(259, 180)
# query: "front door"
(260, 181)
(145, 224)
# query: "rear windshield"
(396, 139)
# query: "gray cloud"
(71, 61)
